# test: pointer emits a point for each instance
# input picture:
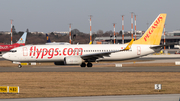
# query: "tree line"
(40, 38)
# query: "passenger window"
(13, 51)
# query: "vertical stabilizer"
(23, 38)
(48, 39)
(153, 35)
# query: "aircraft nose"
(5, 56)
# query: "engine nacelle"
(59, 63)
(73, 60)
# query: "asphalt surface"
(147, 59)
(99, 69)
(160, 97)
(164, 97)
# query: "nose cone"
(5, 56)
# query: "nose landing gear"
(19, 66)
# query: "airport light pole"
(131, 25)
(11, 32)
(114, 34)
(70, 33)
(122, 29)
(90, 30)
(135, 25)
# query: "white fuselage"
(53, 53)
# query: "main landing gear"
(89, 64)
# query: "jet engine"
(70, 60)
(73, 60)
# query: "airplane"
(54, 43)
(48, 39)
(85, 54)
(20, 42)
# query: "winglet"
(90, 42)
(129, 45)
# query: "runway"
(150, 59)
(99, 69)
(160, 97)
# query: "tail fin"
(153, 35)
(48, 39)
(22, 40)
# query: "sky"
(56, 15)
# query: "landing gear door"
(138, 50)
(25, 51)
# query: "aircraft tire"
(89, 64)
(19, 66)
(83, 65)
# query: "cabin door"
(138, 50)
(25, 51)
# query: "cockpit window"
(13, 51)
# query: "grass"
(58, 84)
(61, 84)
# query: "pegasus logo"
(154, 26)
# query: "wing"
(95, 56)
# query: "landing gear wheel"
(83, 64)
(19, 66)
(89, 64)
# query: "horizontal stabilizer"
(160, 46)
